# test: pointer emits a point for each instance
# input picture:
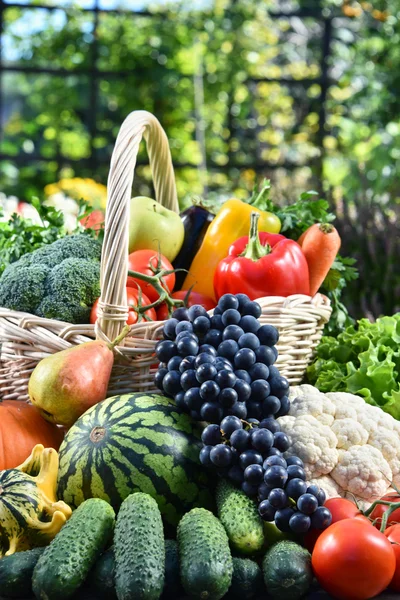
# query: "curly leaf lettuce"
(362, 360)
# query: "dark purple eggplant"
(196, 221)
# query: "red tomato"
(133, 300)
(379, 509)
(194, 298)
(141, 261)
(341, 509)
(393, 535)
(353, 561)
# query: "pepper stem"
(254, 249)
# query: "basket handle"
(113, 309)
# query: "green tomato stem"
(385, 517)
(157, 282)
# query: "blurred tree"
(151, 62)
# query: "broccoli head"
(23, 288)
(59, 281)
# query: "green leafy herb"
(20, 235)
(365, 360)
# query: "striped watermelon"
(133, 443)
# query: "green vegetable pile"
(20, 235)
(363, 360)
(59, 281)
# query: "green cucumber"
(16, 573)
(247, 579)
(101, 577)
(65, 564)
(239, 515)
(139, 549)
(204, 555)
(172, 586)
(287, 571)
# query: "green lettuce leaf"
(362, 360)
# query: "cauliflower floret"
(349, 433)
(345, 409)
(385, 421)
(388, 443)
(363, 471)
(311, 441)
(330, 487)
(309, 402)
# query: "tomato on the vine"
(393, 535)
(353, 561)
(380, 509)
(193, 298)
(133, 301)
(141, 261)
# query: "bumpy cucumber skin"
(205, 558)
(139, 549)
(172, 587)
(239, 515)
(287, 571)
(247, 579)
(65, 564)
(101, 577)
(16, 573)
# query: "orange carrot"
(320, 245)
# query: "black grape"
(295, 488)
(307, 504)
(267, 511)
(278, 498)
(211, 435)
(299, 523)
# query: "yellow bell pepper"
(230, 223)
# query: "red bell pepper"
(264, 264)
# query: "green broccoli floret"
(59, 281)
(23, 288)
(78, 246)
(76, 281)
(54, 308)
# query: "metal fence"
(315, 12)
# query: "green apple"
(154, 227)
(273, 535)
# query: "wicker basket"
(26, 339)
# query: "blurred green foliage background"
(302, 91)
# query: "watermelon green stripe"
(132, 443)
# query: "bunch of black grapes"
(220, 369)
(224, 364)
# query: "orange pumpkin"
(21, 428)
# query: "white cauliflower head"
(349, 448)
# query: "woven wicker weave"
(26, 339)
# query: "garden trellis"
(297, 86)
